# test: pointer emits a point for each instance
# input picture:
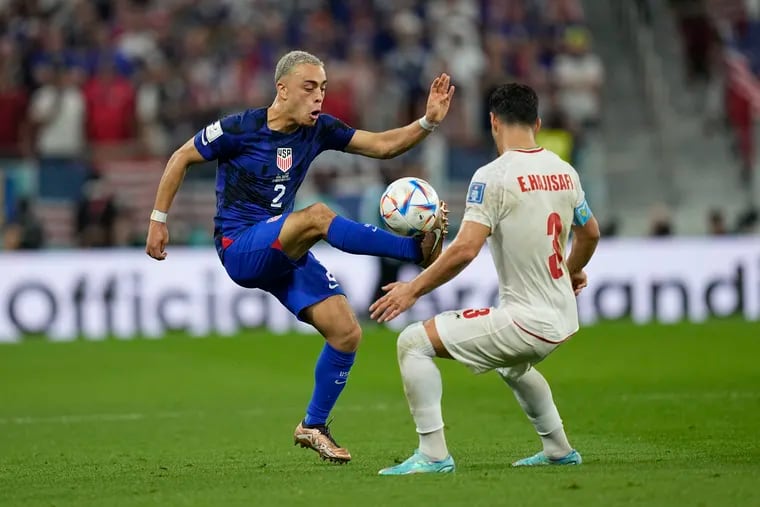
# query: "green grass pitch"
(663, 415)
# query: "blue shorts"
(254, 259)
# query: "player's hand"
(439, 99)
(398, 299)
(579, 281)
(158, 238)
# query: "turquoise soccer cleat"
(539, 459)
(418, 463)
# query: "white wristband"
(159, 216)
(427, 125)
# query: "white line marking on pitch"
(717, 395)
(137, 416)
(83, 418)
(378, 407)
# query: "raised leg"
(302, 229)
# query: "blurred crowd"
(721, 46)
(86, 82)
(721, 49)
(95, 94)
(150, 72)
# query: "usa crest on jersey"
(284, 158)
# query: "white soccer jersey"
(530, 199)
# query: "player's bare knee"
(320, 215)
(348, 340)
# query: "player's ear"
(494, 123)
(282, 90)
(537, 126)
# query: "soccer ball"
(409, 206)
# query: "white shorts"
(486, 339)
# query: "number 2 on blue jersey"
(280, 189)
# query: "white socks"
(535, 397)
(423, 389)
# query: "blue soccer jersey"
(260, 170)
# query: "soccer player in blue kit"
(263, 155)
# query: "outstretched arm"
(174, 173)
(465, 247)
(394, 142)
(401, 296)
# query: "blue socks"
(330, 376)
(364, 239)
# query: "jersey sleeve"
(485, 201)
(221, 139)
(334, 134)
(581, 210)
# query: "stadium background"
(655, 104)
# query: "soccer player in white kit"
(524, 203)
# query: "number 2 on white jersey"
(554, 229)
(276, 203)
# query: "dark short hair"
(514, 103)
